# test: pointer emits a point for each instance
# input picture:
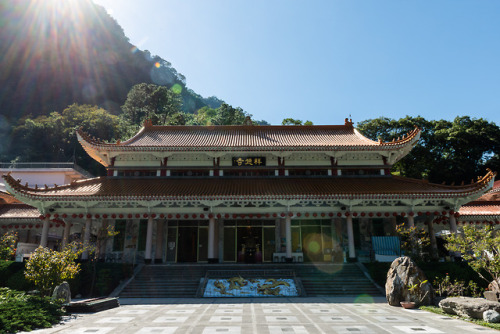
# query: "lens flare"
(364, 299)
(157, 65)
(177, 89)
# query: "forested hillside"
(56, 53)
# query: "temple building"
(244, 194)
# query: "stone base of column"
(352, 259)
(158, 261)
(147, 261)
(214, 260)
(288, 259)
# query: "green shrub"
(7, 269)
(21, 312)
(17, 281)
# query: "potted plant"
(415, 295)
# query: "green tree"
(47, 268)
(8, 246)
(224, 115)
(149, 101)
(292, 121)
(447, 151)
(52, 138)
(480, 247)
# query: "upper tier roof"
(248, 138)
(486, 205)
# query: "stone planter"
(491, 295)
(408, 305)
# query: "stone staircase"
(335, 280)
(182, 280)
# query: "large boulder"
(468, 307)
(403, 274)
(491, 316)
(63, 293)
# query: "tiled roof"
(18, 211)
(105, 188)
(248, 137)
(486, 205)
(7, 199)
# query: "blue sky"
(325, 60)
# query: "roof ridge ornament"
(348, 121)
(148, 123)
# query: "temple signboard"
(248, 161)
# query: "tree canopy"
(450, 151)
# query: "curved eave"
(92, 150)
(317, 191)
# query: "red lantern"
(315, 214)
(74, 215)
(202, 216)
(89, 216)
(259, 215)
(362, 214)
(170, 216)
(290, 214)
(153, 215)
(194, 216)
(347, 214)
(37, 226)
(370, 214)
(322, 214)
(227, 215)
(379, 214)
(428, 213)
(105, 216)
(330, 214)
(395, 214)
(145, 215)
(354, 214)
(283, 214)
(339, 214)
(41, 217)
(178, 216)
(250, 215)
(24, 226)
(219, 216)
(403, 214)
(387, 214)
(137, 215)
(411, 214)
(268, 215)
(129, 216)
(242, 215)
(235, 216)
(47, 215)
(436, 213)
(56, 215)
(97, 216)
(444, 213)
(186, 216)
(299, 214)
(451, 212)
(120, 215)
(275, 215)
(306, 214)
(419, 213)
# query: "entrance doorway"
(188, 244)
(249, 244)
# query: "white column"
(221, 240)
(65, 239)
(149, 240)
(411, 221)
(45, 233)
(211, 239)
(86, 238)
(288, 231)
(453, 224)
(350, 237)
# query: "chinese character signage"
(249, 161)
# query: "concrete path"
(262, 315)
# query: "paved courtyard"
(262, 315)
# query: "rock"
(491, 316)
(468, 307)
(62, 292)
(491, 295)
(402, 274)
(494, 286)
